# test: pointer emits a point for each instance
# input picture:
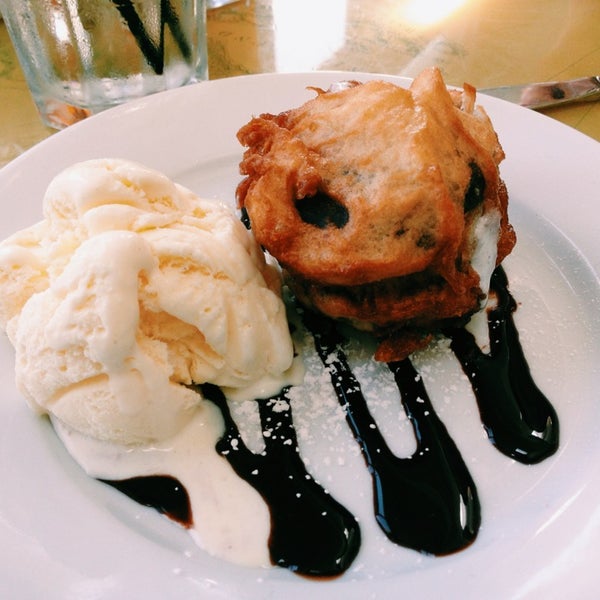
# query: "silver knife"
(552, 93)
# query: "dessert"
(127, 292)
(384, 206)
(141, 314)
(130, 287)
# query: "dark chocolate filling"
(321, 210)
(476, 190)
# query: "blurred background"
(484, 42)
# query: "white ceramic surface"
(65, 536)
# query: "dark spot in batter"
(475, 191)
(426, 241)
(322, 211)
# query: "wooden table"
(483, 42)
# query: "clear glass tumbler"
(83, 56)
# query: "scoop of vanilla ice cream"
(130, 287)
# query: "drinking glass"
(83, 56)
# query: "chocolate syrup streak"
(428, 501)
(311, 533)
(161, 492)
(518, 418)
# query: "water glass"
(83, 56)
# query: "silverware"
(552, 93)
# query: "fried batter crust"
(400, 165)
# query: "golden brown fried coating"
(368, 198)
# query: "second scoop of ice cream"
(130, 287)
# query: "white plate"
(67, 536)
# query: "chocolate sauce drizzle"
(428, 501)
(311, 533)
(161, 492)
(518, 418)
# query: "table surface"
(483, 42)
